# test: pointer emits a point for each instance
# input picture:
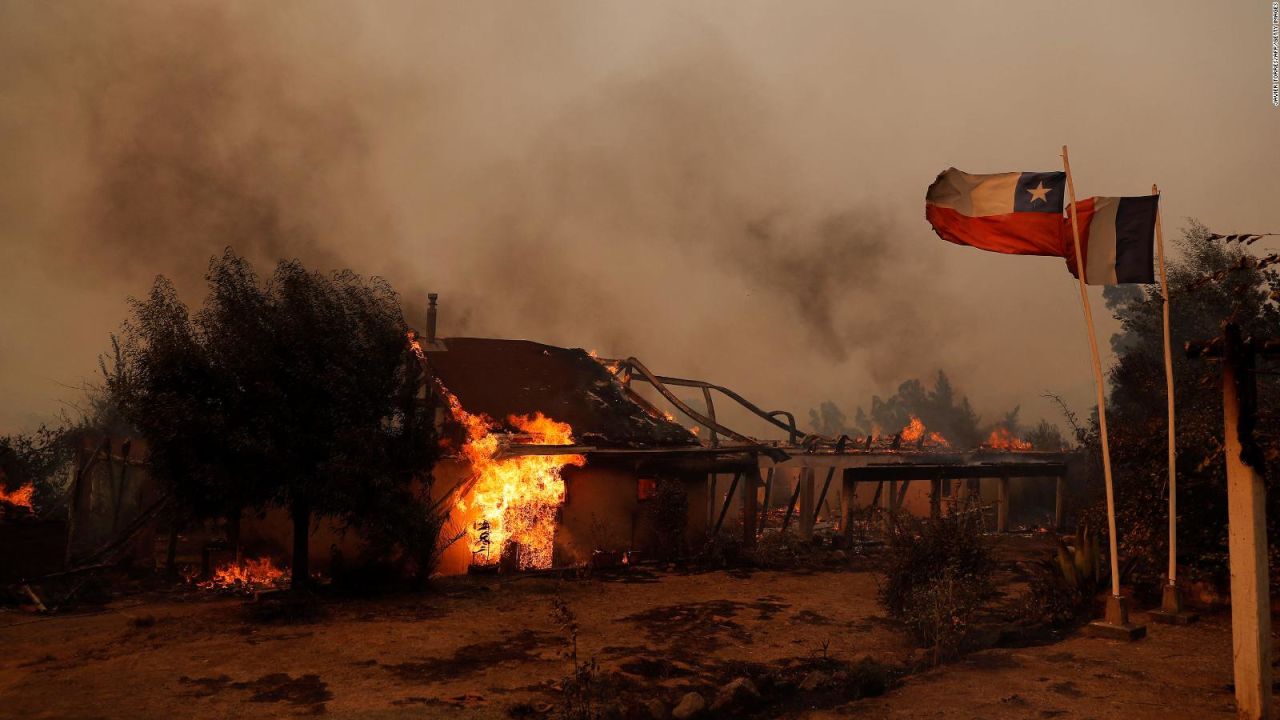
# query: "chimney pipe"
(431, 317)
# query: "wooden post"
(791, 504)
(1098, 387)
(728, 500)
(768, 497)
(1247, 532)
(826, 485)
(875, 498)
(848, 499)
(806, 502)
(1171, 609)
(751, 481)
(935, 498)
(711, 413)
(711, 498)
(1002, 504)
(81, 492)
(1059, 502)
(1168, 381)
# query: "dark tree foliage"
(1137, 420)
(295, 392)
(1046, 436)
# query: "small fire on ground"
(514, 500)
(252, 574)
(22, 497)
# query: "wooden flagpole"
(1168, 380)
(1102, 401)
(1171, 610)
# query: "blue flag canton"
(1040, 192)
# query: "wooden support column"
(1247, 531)
(848, 500)
(728, 500)
(935, 498)
(1059, 502)
(1002, 504)
(795, 498)
(751, 481)
(806, 502)
(711, 498)
(768, 497)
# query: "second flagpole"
(1168, 379)
(1119, 616)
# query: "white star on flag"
(1039, 192)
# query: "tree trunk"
(301, 540)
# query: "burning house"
(554, 460)
(553, 457)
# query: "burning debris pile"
(248, 576)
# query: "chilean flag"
(1116, 239)
(1015, 213)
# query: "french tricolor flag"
(1116, 239)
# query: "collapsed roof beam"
(660, 383)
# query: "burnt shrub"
(866, 678)
(936, 575)
(721, 550)
(781, 550)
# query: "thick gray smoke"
(730, 191)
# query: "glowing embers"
(512, 501)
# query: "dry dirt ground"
(491, 648)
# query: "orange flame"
(515, 499)
(1002, 439)
(913, 431)
(21, 497)
(916, 430)
(251, 574)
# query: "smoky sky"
(726, 190)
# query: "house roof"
(500, 378)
